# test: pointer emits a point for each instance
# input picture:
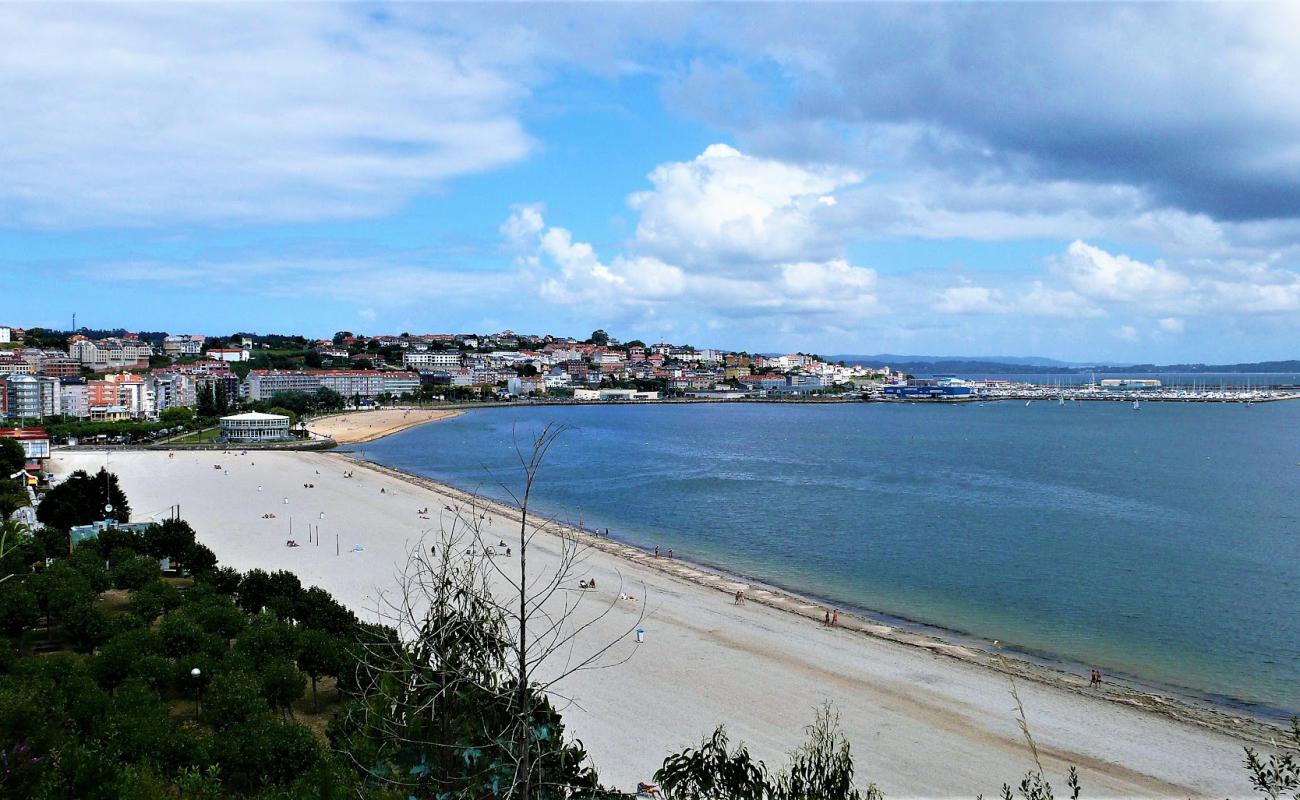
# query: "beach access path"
(921, 723)
(356, 427)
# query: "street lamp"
(196, 673)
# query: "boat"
(1135, 405)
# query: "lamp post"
(196, 674)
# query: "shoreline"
(345, 428)
(1016, 663)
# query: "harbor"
(949, 388)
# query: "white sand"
(921, 724)
(355, 427)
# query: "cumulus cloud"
(1095, 273)
(727, 208)
(572, 272)
(1172, 325)
(156, 114)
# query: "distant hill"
(1016, 365)
(894, 358)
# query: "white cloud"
(571, 272)
(725, 208)
(971, 300)
(1172, 325)
(1095, 273)
(156, 114)
(1126, 333)
(1035, 300)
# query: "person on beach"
(670, 552)
(835, 618)
(826, 621)
(740, 597)
(1096, 679)
(656, 551)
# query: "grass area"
(198, 437)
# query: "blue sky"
(1101, 182)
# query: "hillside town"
(119, 375)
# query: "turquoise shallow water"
(1162, 544)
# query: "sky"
(1083, 182)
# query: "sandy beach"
(355, 427)
(922, 722)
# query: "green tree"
(81, 500)
(180, 637)
(177, 415)
(282, 684)
(319, 654)
(265, 752)
(266, 639)
(170, 539)
(12, 457)
(86, 627)
(136, 572)
(18, 608)
(233, 698)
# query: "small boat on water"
(1136, 407)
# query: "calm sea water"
(1162, 543)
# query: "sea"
(1160, 545)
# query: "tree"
(233, 698)
(599, 337)
(18, 608)
(180, 637)
(81, 500)
(266, 639)
(328, 400)
(135, 572)
(198, 559)
(12, 457)
(177, 415)
(317, 609)
(319, 654)
(821, 767)
(13, 495)
(264, 752)
(1280, 774)
(86, 627)
(170, 539)
(282, 684)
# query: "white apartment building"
(6, 335)
(109, 354)
(429, 360)
(263, 384)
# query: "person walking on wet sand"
(656, 551)
(835, 618)
(740, 597)
(826, 621)
(1095, 682)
